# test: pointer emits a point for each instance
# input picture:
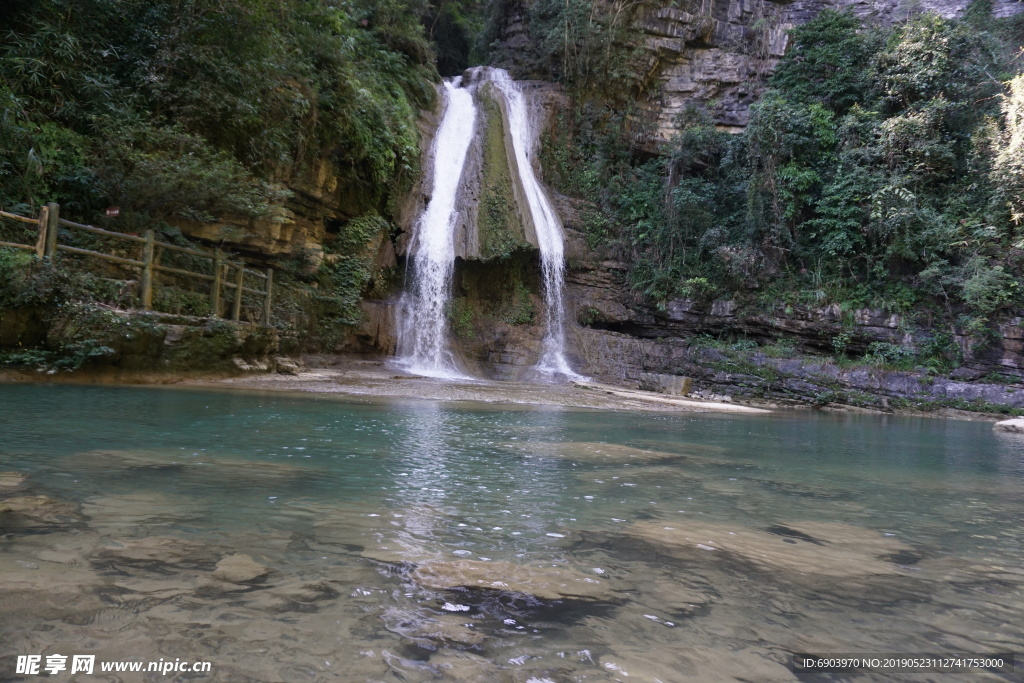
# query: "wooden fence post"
(236, 310)
(218, 273)
(50, 250)
(44, 220)
(147, 271)
(266, 299)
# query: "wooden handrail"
(97, 254)
(101, 231)
(47, 246)
(16, 245)
(16, 217)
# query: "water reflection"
(370, 529)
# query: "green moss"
(461, 317)
(518, 309)
(499, 224)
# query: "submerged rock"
(239, 568)
(825, 548)
(696, 663)
(432, 630)
(172, 462)
(12, 481)
(1014, 426)
(545, 583)
(29, 512)
(595, 452)
(120, 512)
(161, 550)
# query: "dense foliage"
(200, 107)
(198, 110)
(593, 48)
(882, 167)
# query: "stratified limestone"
(240, 568)
(546, 583)
(822, 548)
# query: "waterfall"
(424, 348)
(550, 239)
(423, 326)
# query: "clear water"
(697, 548)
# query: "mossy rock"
(499, 223)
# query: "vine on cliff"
(878, 170)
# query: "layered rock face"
(316, 205)
(622, 338)
(719, 53)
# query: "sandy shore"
(379, 379)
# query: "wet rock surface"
(1014, 426)
(12, 481)
(720, 56)
(240, 568)
(829, 549)
(37, 512)
(546, 583)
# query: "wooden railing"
(41, 222)
(48, 245)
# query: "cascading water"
(423, 328)
(550, 239)
(424, 348)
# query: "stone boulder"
(240, 568)
(1014, 426)
(816, 548)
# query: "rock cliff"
(719, 53)
(621, 338)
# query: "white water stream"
(424, 344)
(423, 347)
(550, 238)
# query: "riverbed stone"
(433, 630)
(1014, 426)
(12, 481)
(33, 512)
(595, 452)
(158, 550)
(173, 462)
(545, 583)
(696, 663)
(822, 548)
(117, 514)
(47, 590)
(240, 568)
(459, 665)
